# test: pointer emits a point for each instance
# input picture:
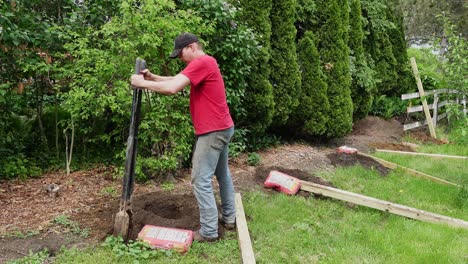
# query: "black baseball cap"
(181, 42)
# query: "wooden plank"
(413, 125)
(409, 96)
(422, 154)
(412, 172)
(422, 94)
(422, 123)
(419, 108)
(442, 116)
(382, 205)
(416, 95)
(245, 244)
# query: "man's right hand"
(148, 75)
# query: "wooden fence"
(430, 121)
(435, 106)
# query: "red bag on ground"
(347, 150)
(166, 237)
(282, 182)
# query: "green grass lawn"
(294, 229)
(449, 169)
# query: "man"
(213, 125)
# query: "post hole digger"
(123, 219)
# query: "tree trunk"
(69, 153)
(39, 112)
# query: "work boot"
(199, 238)
(227, 226)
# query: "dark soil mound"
(157, 208)
(343, 159)
(261, 173)
(164, 209)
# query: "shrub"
(377, 42)
(286, 78)
(18, 165)
(363, 84)
(253, 159)
(388, 107)
(259, 101)
(405, 80)
(333, 48)
(313, 113)
(99, 99)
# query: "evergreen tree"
(378, 43)
(259, 101)
(332, 27)
(363, 84)
(314, 106)
(305, 16)
(405, 81)
(285, 76)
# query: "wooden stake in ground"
(412, 172)
(424, 102)
(245, 244)
(421, 154)
(382, 205)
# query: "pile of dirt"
(371, 130)
(157, 208)
(297, 156)
(261, 173)
(343, 159)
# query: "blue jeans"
(211, 158)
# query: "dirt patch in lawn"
(15, 247)
(392, 146)
(345, 160)
(424, 137)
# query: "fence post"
(435, 107)
(464, 104)
(422, 94)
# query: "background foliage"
(314, 66)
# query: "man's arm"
(153, 77)
(167, 86)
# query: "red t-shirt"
(208, 106)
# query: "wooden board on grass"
(421, 154)
(412, 172)
(382, 205)
(245, 244)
